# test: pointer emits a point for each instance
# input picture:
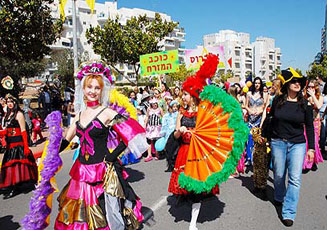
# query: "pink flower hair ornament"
(96, 67)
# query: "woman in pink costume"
(97, 196)
(316, 100)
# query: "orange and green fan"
(217, 141)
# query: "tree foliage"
(180, 76)
(124, 43)
(318, 69)
(275, 73)
(26, 31)
(64, 60)
(222, 77)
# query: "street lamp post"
(74, 36)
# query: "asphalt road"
(235, 208)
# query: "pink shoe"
(148, 159)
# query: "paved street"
(235, 208)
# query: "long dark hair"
(252, 88)
(8, 118)
(283, 97)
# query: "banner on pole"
(62, 4)
(194, 58)
(159, 63)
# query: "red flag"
(230, 62)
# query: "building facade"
(246, 57)
(101, 13)
(323, 35)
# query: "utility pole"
(74, 36)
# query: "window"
(84, 23)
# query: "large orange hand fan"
(217, 141)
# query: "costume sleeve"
(131, 133)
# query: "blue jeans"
(287, 156)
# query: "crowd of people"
(288, 135)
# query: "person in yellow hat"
(291, 114)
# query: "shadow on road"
(134, 175)
(247, 182)
(211, 209)
(7, 223)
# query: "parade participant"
(18, 164)
(168, 127)
(132, 98)
(153, 127)
(313, 95)
(199, 166)
(255, 103)
(37, 131)
(97, 195)
(291, 115)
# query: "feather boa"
(41, 202)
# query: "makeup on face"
(92, 91)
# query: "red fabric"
(20, 161)
(3, 132)
(194, 84)
(26, 149)
(37, 132)
(12, 145)
(13, 132)
(18, 173)
(37, 124)
(179, 168)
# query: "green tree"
(298, 71)
(274, 74)
(318, 69)
(222, 77)
(179, 76)
(64, 60)
(26, 31)
(124, 43)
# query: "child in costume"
(211, 143)
(153, 126)
(97, 196)
(168, 127)
(37, 121)
(18, 164)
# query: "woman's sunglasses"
(294, 80)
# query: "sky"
(294, 24)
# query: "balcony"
(62, 44)
(102, 18)
(181, 48)
(169, 43)
(180, 31)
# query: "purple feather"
(39, 211)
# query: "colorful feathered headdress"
(194, 84)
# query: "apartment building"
(101, 13)
(266, 58)
(245, 55)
